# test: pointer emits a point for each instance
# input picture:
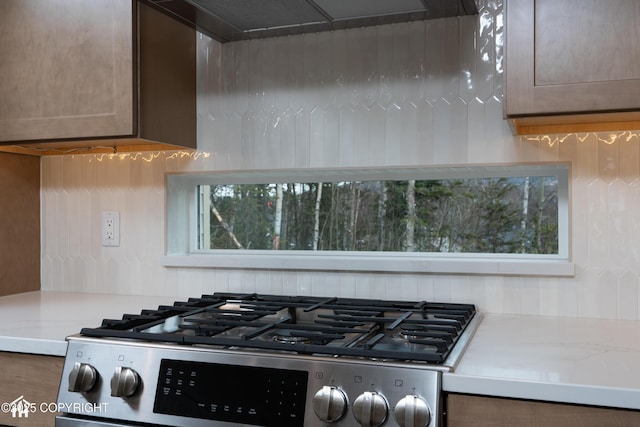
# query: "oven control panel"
(252, 395)
(198, 387)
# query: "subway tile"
(498, 148)
(493, 295)
(316, 137)
(330, 144)
(425, 136)
(477, 291)
(627, 295)
(363, 286)
(530, 295)
(434, 80)
(597, 224)
(568, 297)
(248, 139)
(426, 288)
(628, 157)
(395, 137)
(586, 163)
(443, 123)
(484, 56)
(327, 285)
(468, 51)
(549, 298)
(458, 142)
(459, 287)
(347, 283)
(607, 295)
(442, 288)
(512, 297)
(303, 139)
(414, 72)
(346, 152)
(450, 65)
(580, 228)
(378, 288)
(267, 282)
(269, 71)
(408, 286)
(568, 150)
(377, 133)
(619, 214)
(286, 126)
(361, 136)
(634, 229)
(477, 143)
(607, 159)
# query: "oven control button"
(412, 411)
(329, 404)
(124, 382)
(370, 409)
(82, 377)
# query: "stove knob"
(124, 382)
(82, 377)
(370, 409)
(412, 411)
(329, 404)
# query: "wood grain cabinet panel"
(481, 411)
(86, 73)
(573, 62)
(34, 377)
(20, 219)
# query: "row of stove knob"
(370, 409)
(124, 381)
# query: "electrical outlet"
(110, 228)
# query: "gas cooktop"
(417, 331)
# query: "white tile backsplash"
(419, 93)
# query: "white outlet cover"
(110, 228)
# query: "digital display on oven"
(237, 394)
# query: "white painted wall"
(422, 93)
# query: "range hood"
(232, 20)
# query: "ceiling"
(232, 20)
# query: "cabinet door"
(36, 379)
(572, 56)
(66, 69)
(481, 411)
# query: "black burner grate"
(374, 329)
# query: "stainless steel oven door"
(64, 421)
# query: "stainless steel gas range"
(266, 360)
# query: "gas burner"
(405, 335)
(290, 339)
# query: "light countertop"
(38, 322)
(584, 361)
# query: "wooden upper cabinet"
(572, 65)
(88, 73)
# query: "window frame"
(182, 231)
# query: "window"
(465, 219)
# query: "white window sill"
(390, 263)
